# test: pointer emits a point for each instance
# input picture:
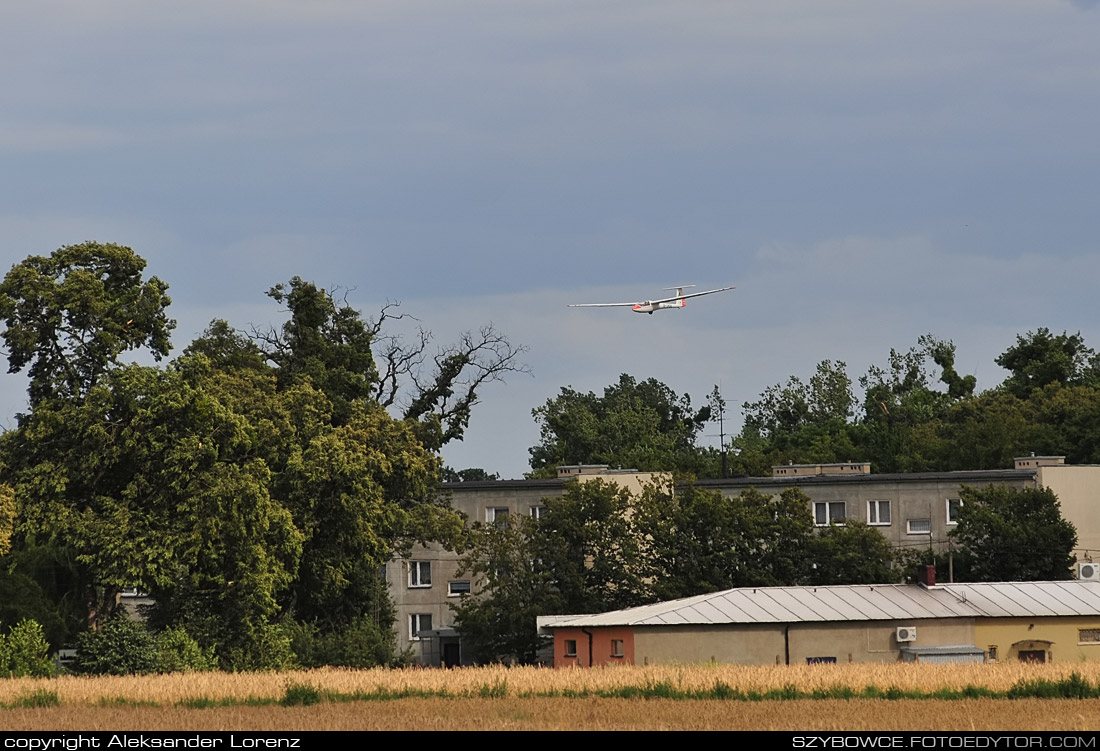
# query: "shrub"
(121, 647)
(24, 651)
(360, 645)
(178, 652)
(37, 699)
(300, 694)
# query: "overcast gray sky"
(864, 172)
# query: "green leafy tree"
(515, 587)
(472, 474)
(121, 647)
(177, 652)
(588, 538)
(641, 425)
(1040, 358)
(349, 358)
(24, 652)
(902, 409)
(699, 541)
(1014, 534)
(852, 554)
(70, 315)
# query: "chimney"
(926, 576)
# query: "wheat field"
(519, 682)
(539, 698)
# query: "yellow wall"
(1078, 491)
(766, 644)
(1063, 633)
(739, 645)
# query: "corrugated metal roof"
(862, 602)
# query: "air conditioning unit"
(907, 633)
(1089, 572)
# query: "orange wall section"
(601, 646)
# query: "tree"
(588, 539)
(471, 474)
(1040, 358)
(852, 554)
(644, 426)
(70, 315)
(826, 400)
(1014, 534)
(330, 343)
(901, 409)
(515, 587)
(700, 541)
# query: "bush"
(268, 650)
(300, 695)
(121, 647)
(178, 652)
(361, 645)
(24, 651)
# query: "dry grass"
(524, 682)
(579, 714)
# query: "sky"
(863, 172)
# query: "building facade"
(426, 585)
(1014, 621)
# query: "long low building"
(1030, 621)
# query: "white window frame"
(828, 505)
(874, 514)
(416, 625)
(947, 510)
(451, 592)
(537, 512)
(565, 647)
(909, 527)
(617, 648)
(493, 513)
(420, 574)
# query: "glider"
(649, 306)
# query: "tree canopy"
(71, 314)
(251, 481)
(640, 425)
(1012, 534)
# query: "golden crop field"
(542, 698)
(580, 714)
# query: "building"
(426, 584)
(1029, 621)
(911, 510)
(919, 509)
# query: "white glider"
(649, 306)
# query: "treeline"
(915, 413)
(254, 486)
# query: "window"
(616, 647)
(455, 589)
(1088, 636)
(829, 513)
(918, 527)
(570, 647)
(420, 573)
(418, 624)
(953, 505)
(496, 514)
(538, 512)
(878, 513)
